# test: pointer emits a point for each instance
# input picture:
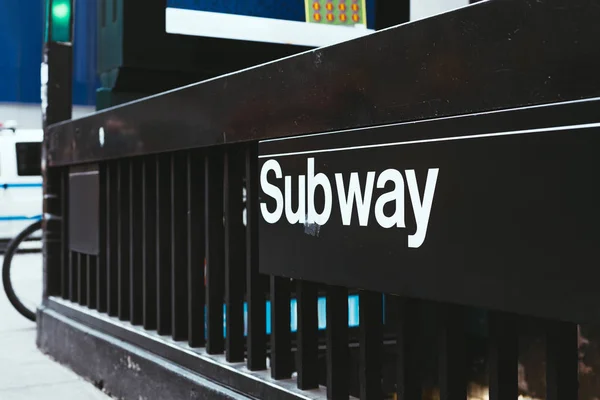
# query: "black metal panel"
(92, 275)
(149, 236)
(307, 339)
(408, 349)
(53, 230)
(503, 357)
(136, 216)
(256, 343)
(124, 244)
(73, 275)
(64, 237)
(84, 195)
(196, 247)
(235, 251)
(371, 343)
(470, 169)
(215, 250)
(281, 340)
(491, 55)
(562, 361)
(179, 263)
(197, 362)
(82, 278)
(338, 373)
(452, 362)
(112, 238)
(102, 262)
(124, 371)
(163, 244)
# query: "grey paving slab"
(26, 373)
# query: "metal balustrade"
(176, 270)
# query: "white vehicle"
(20, 180)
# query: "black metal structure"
(172, 303)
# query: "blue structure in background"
(21, 36)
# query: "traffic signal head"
(58, 20)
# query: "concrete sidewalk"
(26, 373)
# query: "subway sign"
(498, 210)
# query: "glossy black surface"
(513, 222)
(487, 56)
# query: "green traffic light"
(59, 13)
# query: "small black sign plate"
(498, 210)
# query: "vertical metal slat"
(195, 247)
(255, 291)
(281, 339)
(66, 254)
(136, 200)
(123, 244)
(92, 276)
(408, 349)
(214, 251)
(112, 240)
(452, 372)
(82, 281)
(337, 343)
(234, 254)
(101, 263)
(149, 243)
(53, 232)
(163, 244)
(562, 361)
(371, 341)
(503, 356)
(307, 335)
(73, 279)
(179, 211)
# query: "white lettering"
(272, 191)
(422, 211)
(300, 214)
(397, 195)
(313, 181)
(363, 205)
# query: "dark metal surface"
(256, 289)
(338, 372)
(119, 369)
(235, 252)
(281, 342)
(215, 251)
(371, 339)
(562, 360)
(487, 56)
(197, 361)
(179, 253)
(123, 238)
(136, 221)
(112, 239)
(307, 339)
(83, 209)
(511, 184)
(163, 245)
(504, 354)
(196, 249)
(149, 236)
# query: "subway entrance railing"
(407, 215)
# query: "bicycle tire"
(12, 247)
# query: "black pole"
(56, 97)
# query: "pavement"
(25, 372)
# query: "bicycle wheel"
(12, 247)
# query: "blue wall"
(21, 23)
